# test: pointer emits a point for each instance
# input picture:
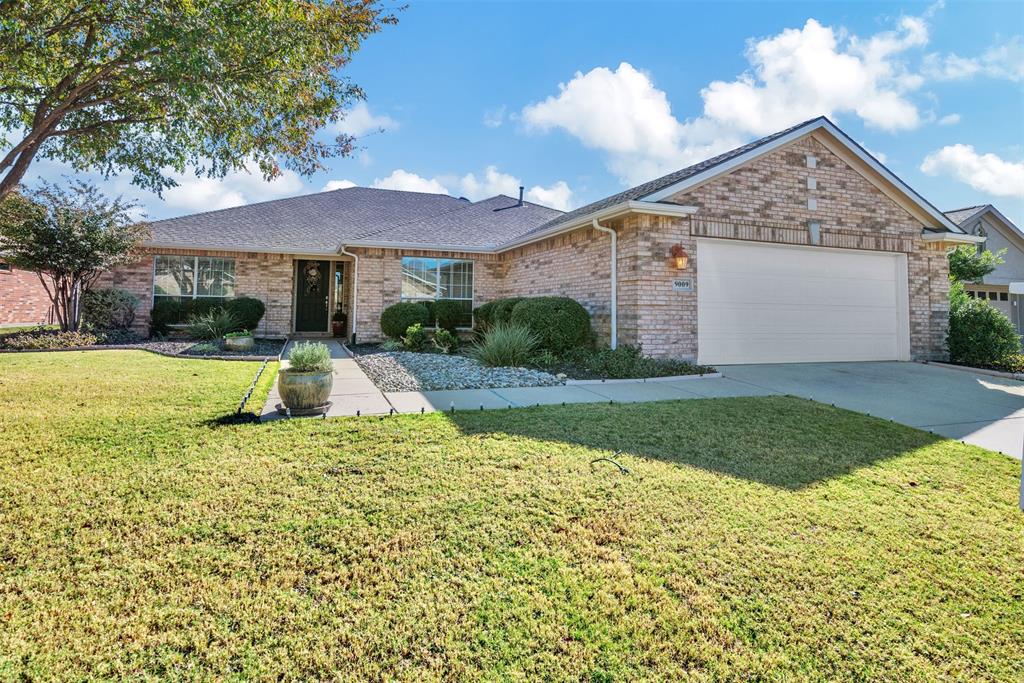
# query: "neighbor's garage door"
(759, 303)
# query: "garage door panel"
(786, 320)
(760, 303)
(811, 291)
(805, 349)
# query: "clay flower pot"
(304, 390)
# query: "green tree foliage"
(69, 237)
(967, 264)
(152, 86)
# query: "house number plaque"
(682, 284)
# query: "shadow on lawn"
(781, 441)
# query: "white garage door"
(759, 303)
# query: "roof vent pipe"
(521, 195)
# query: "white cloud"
(881, 156)
(558, 196)
(400, 179)
(984, 172)
(337, 185)
(493, 182)
(949, 120)
(359, 120)
(476, 187)
(1005, 61)
(194, 193)
(493, 118)
(795, 75)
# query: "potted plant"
(306, 383)
(239, 341)
(338, 321)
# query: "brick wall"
(267, 277)
(23, 300)
(380, 282)
(575, 265)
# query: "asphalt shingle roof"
(314, 223)
(484, 224)
(958, 216)
(652, 186)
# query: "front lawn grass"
(752, 539)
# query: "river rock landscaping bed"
(405, 371)
(53, 340)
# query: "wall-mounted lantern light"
(679, 256)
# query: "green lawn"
(754, 538)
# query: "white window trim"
(195, 273)
(437, 285)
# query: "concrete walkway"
(355, 394)
(353, 391)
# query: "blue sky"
(579, 100)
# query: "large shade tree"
(145, 87)
(69, 237)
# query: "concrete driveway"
(979, 409)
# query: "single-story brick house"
(23, 299)
(800, 246)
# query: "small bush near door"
(397, 318)
(448, 314)
(506, 345)
(559, 322)
(248, 310)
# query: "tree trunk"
(9, 183)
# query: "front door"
(311, 289)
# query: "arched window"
(979, 230)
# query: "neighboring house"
(23, 300)
(797, 247)
(999, 233)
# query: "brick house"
(23, 300)
(797, 247)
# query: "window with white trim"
(436, 279)
(193, 277)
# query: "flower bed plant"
(625, 362)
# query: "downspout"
(355, 287)
(615, 280)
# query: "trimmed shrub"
(108, 309)
(627, 362)
(247, 310)
(448, 314)
(48, 339)
(310, 357)
(166, 312)
(502, 311)
(979, 334)
(1012, 363)
(445, 341)
(392, 345)
(212, 325)
(483, 316)
(506, 345)
(415, 338)
(397, 318)
(559, 322)
(202, 306)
